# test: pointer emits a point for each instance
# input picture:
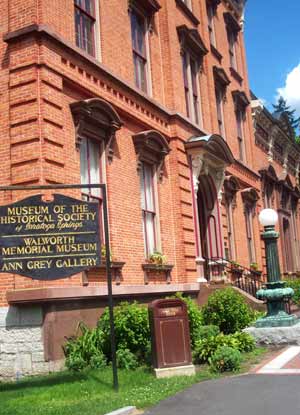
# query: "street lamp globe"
(268, 217)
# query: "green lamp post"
(275, 293)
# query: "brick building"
(150, 97)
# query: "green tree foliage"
(282, 107)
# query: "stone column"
(196, 162)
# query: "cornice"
(41, 30)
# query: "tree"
(282, 107)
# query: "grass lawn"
(90, 392)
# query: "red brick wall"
(41, 76)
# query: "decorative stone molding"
(250, 196)
(96, 118)
(190, 40)
(151, 147)
(146, 7)
(221, 76)
(231, 23)
(240, 99)
(231, 187)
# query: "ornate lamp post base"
(275, 294)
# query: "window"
(85, 18)
(249, 233)
(191, 87)
(219, 100)
(91, 172)
(240, 116)
(232, 49)
(151, 148)
(192, 52)
(211, 24)
(250, 198)
(90, 167)
(233, 27)
(138, 36)
(230, 229)
(148, 207)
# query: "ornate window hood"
(96, 118)
(191, 40)
(151, 147)
(221, 76)
(148, 7)
(212, 145)
(240, 98)
(231, 23)
(250, 195)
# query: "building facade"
(150, 97)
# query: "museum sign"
(49, 240)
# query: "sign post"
(52, 240)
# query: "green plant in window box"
(157, 258)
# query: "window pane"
(186, 84)
(149, 187)
(150, 232)
(138, 34)
(84, 164)
(142, 183)
(84, 26)
(94, 164)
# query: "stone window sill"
(166, 268)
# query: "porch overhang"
(213, 145)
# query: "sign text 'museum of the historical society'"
(49, 240)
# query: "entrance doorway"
(287, 244)
(209, 220)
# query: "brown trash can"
(170, 334)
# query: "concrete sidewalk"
(238, 395)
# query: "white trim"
(148, 64)
(97, 33)
(157, 216)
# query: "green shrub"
(132, 329)
(126, 359)
(98, 361)
(225, 359)
(81, 348)
(295, 285)
(227, 309)
(204, 332)
(206, 347)
(75, 362)
(194, 316)
(246, 342)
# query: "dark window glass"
(219, 101)
(84, 25)
(186, 83)
(194, 76)
(211, 24)
(138, 35)
(148, 208)
(240, 114)
(232, 49)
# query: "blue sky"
(272, 35)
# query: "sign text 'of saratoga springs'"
(151, 98)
